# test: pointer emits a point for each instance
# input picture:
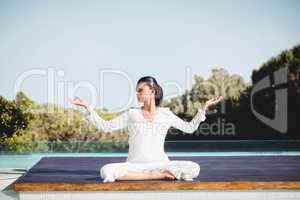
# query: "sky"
(54, 50)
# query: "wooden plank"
(157, 185)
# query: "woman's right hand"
(79, 102)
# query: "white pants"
(181, 169)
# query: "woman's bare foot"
(168, 175)
(148, 175)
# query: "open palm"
(79, 102)
(213, 101)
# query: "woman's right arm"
(114, 124)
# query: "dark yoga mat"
(213, 168)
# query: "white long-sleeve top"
(146, 138)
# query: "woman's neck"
(150, 107)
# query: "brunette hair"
(152, 83)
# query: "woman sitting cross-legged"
(147, 129)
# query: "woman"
(147, 129)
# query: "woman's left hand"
(212, 101)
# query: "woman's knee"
(188, 167)
(194, 169)
(106, 170)
(114, 169)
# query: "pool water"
(26, 161)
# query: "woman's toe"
(168, 175)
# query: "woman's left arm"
(187, 127)
(192, 126)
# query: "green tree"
(14, 116)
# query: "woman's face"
(144, 92)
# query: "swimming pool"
(26, 161)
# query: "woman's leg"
(184, 169)
(148, 175)
(128, 171)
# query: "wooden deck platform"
(217, 173)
